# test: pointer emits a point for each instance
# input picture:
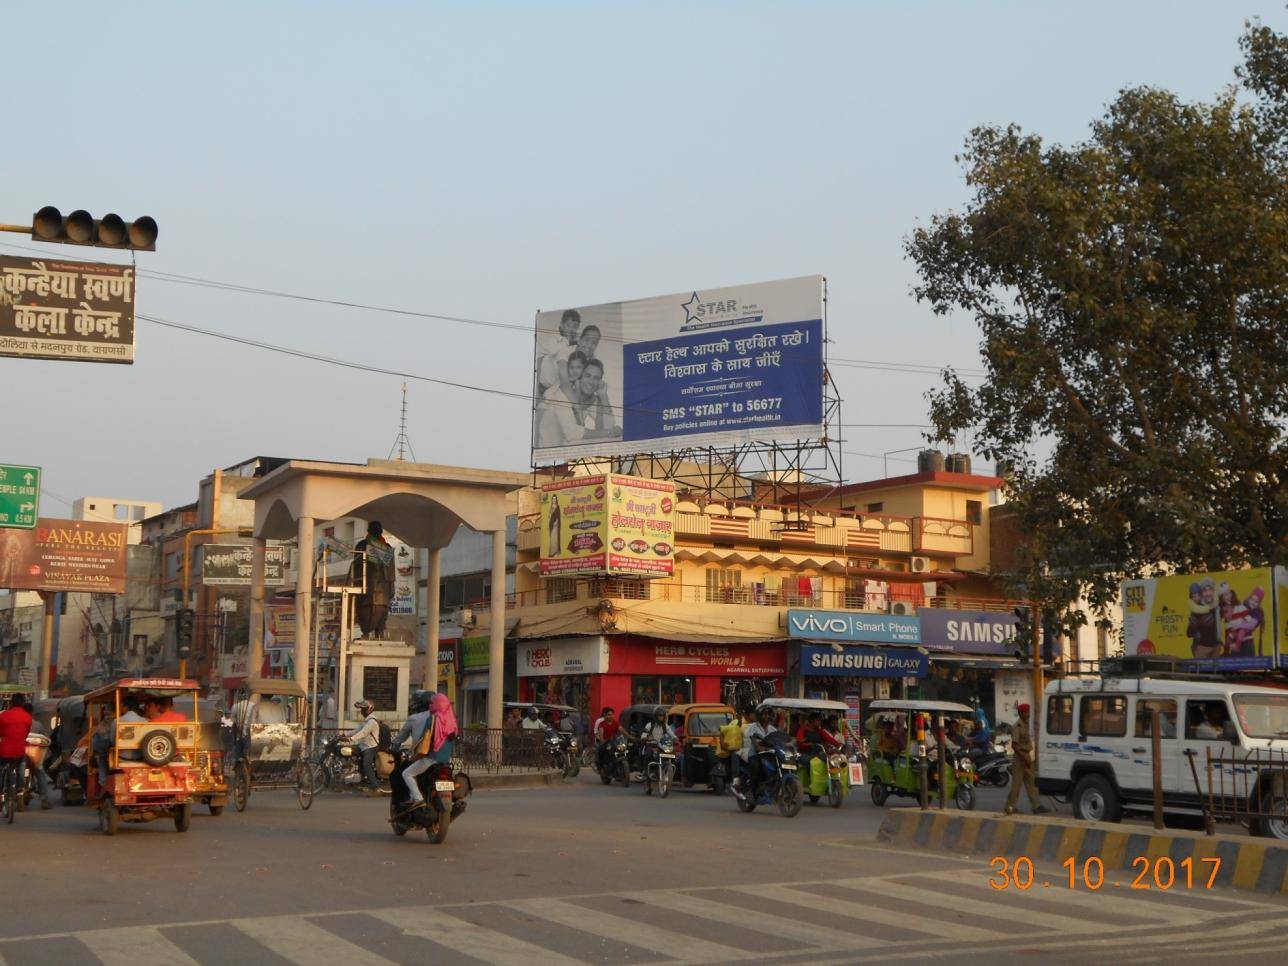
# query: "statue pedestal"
(380, 672)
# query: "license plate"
(444, 786)
(665, 755)
(789, 767)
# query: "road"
(578, 873)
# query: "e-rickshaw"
(270, 753)
(829, 774)
(211, 781)
(898, 770)
(65, 719)
(698, 726)
(147, 764)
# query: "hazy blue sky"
(491, 159)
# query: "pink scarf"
(444, 720)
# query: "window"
(1145, 717)
(1059, 714)
(722, 584)
(875, 507)
(1262, 715)
(667, 690)
(560, 589)
(1102, 644)
(1105, 716)
(139, 644)
(974, 512)
(626, 589)
(1208, 721)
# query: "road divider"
(1135, 859)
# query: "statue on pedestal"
(374, 559)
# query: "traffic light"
(1023, 633)
(82, 228)
(1050, 636)
(183, 630)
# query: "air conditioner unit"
(902, 608)
(920, 565)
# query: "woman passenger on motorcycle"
(440, 722)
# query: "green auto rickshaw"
(827, 754)
(895, 761)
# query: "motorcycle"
(618, 763)
(340, 765)
(992, 767)
(779, 761)
(444, 797)
(659, 766)
(571, 754)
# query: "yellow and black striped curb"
(1260, 865)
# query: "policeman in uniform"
(1022, 770)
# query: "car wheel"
(879, 793)
(183, 817)
(109, 819)
(1094, 800)
(215, 809)
(1275, 823)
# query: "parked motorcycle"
(340, 765)
(444, 799)
(779, 761)
(659, 766)
(992, 767)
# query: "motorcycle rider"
(430, 712)
(606, 729)
(752, 737)
(652, 735)
(533, 722)
(367, 740)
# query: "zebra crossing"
(907, 916)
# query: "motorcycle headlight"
(668, 746)
(572, 743)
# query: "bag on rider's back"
(384, 737)
(426, 744)
(384, 764)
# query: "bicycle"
(9, 790)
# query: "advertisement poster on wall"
(404, 599)
(1229, 617)
(702, 367)
(608, 524)
(230, 565)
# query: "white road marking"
(133, 946)
(944, 929)
(296, 939)
(476, 941)
(802, 932)
(654, 938)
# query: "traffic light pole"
(1036, 648)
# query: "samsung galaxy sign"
(823, 660)
(968, 631)
(835, 625)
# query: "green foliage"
(1132, 296)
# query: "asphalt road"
(579, 873)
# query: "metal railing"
(1248, 786)
(497, 751)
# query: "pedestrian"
(1022, 770)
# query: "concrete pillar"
(41, 684)
(431, 619)
(255, 660)
(496, 645)
(303, 600)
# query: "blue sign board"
(968, 631)
(819, 660)
(841, 625)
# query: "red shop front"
(643, 670)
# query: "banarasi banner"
(1232, 619)
(55, 309)
(64, 555)
(706, 367)
(608, 525)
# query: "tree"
(1132, 297)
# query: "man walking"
(1022, 770)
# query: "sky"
(488, 160)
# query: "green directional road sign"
(19, 496)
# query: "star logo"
(691, 309)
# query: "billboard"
(64, 555)
(819, 660)
(699, 368)
(969, 631)
(55, 309)
(1231, 618)
(229, 565)
(841, 625)
(608, 524)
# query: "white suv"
(1095, 747)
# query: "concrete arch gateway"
(424, 504)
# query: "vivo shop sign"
(835, 625)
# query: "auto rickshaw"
(698, 726)
(149, 764)
(897, 771)
(212, 779)
(65, 718)
(828, 775)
